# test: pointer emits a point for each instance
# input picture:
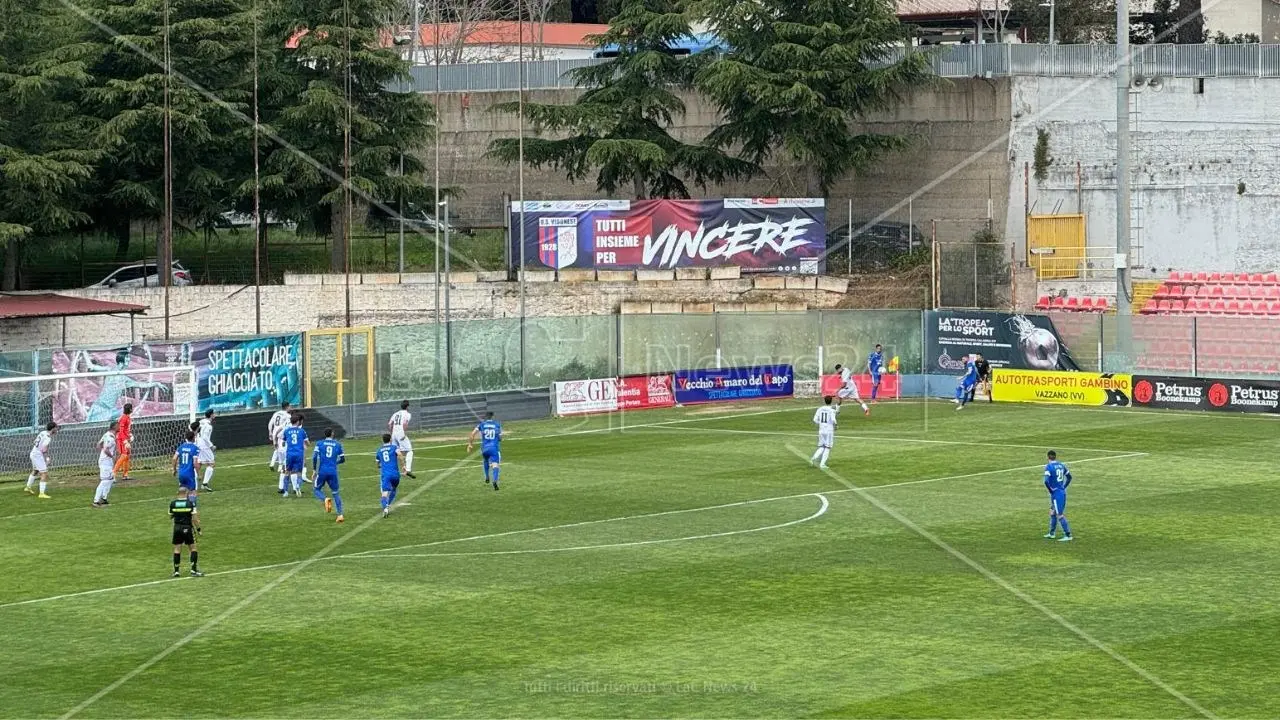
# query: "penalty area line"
(865, 494)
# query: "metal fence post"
(821, 349)
(1195, 347)
(715, 323)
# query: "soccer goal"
(83, 405)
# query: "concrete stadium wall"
(957, 161)
(1206, 170)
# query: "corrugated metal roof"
(51, 305)
(918, 8)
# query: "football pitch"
(679, 563)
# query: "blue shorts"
(1058, 502)
(390, 483)
(875, 378)
(492, 456)
(293, 463)
(187, 481)
(326, 479)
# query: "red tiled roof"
(50, 305)
(506, 32)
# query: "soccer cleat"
(95, 504)
(196, 573)
(104, 501)
(175, 574)
(866, 411)
(43, 496)
(297, 493)
(206, 488)
(822, 467)
(1049, 536)
(386, 511)
(1065, 538)
(28, 490)
(328, 505)
(411, 475)
(341, 520)
(959, 407)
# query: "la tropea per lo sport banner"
(231, 375)
(756, 234)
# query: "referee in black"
(186, 525)
(984, 379)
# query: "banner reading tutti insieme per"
(756, 234)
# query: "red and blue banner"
(731, 384)
(756, 234)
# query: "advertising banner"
(1064, 388)
(756, 234)
(581, 397)
(231, 375)
(890, 385)
(742, 383)
(641, 392)
(1188, 393)
(1021, 342)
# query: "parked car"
(143, 275)
(879, 244)
(416, 218)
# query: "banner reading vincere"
(231, 375)
(1065, 388)
(1023, 342)
(741, 383)
(756, 234)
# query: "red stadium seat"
(1192, 290)
(1102, 305)
(1257, 278)
(1246, 307)
(1219, 307)
(1233, 307)
(1202, 277)
(1086, 305)
(1257, 292)
(1273, 307)
(1073, 303)
(1241, 278)
(1059, 303)
(1217, 292)
(1203, 306)
(1043, 302)
(1271, 279)
(1273, 292)
(1215, 278)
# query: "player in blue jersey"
(295, 455)
(389, 468)
(325, 460)
(967, 382)
(186, 463)
(875, 366)
(1056, 478)
(490, 433)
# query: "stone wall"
(319, 301)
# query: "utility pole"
(1123, 301)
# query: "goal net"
(83, 405)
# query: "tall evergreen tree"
(43, 163)
(333, 76)
(801, 75)
(206, 89)
(620, 127)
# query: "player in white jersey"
(40, 461)
(204, 441)
(848, 389)
(275, 429)
(825, 418)
(106, 465)
(399, 427)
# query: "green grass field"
(682, 563)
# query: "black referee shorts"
(183, 535)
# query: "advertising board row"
(1121, 390)
(683, 387)
(231, 375)
(756, 234)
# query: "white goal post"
(83, 405)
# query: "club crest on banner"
(558, 241)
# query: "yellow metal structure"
(1056, 246)
(336, 358)
(1142, 292)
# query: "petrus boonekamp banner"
(231, 375)
(756, 234)
(1020, 342)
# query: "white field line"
(488, 536)
(822, 510)
(865, 494)
(248, 600)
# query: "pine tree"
(207, 94)
(311, 99)
(43, 165)
(620, 127)
(801, 75)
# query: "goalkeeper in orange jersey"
(124, 442)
